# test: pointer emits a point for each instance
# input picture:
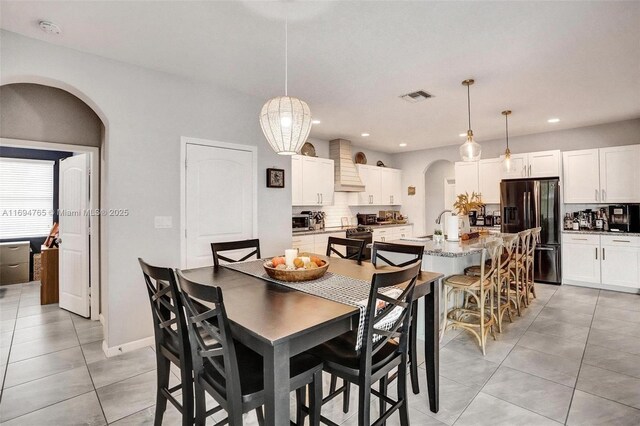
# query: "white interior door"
(220, 199)
(74, 258)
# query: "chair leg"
(364, 400)
(201, 405)
(383, 384)
(334, 384)
(187, 396)
(315, 399)
(163, 372)
(346, 397)
(260, 416)
(402, 396)
(413, 349)
(301, 396)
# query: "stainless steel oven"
(300, 222)
(360, 233)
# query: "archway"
(437, 179)
(48, 115)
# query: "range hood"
(347, 178)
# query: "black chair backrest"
(375, 338)
(358, 245)
(210, 337)
(414, 251)
(169, 322)
(216, 248)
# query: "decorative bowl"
(294, 275)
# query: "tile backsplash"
(343, 207)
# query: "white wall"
(145, 114)
(415, 163)
(434, 191)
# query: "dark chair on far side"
(407, 254)
(172, 341)
(231, 372)
(383, 348)
(356, 246)
(217, 248)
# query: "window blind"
(26, 198)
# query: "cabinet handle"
(321, 198)
(604, 195)
(524, 171)
(596, 253)
(597, 195)
(621, 241)
(603, 254)
(579, 239)
(529, 170)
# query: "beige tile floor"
(572, 358)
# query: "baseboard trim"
(600, 286)
(127, 347)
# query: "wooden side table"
(49, 276)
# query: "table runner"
(334, 287)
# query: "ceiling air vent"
(418, 96)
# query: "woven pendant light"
(285, 120)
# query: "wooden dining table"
(279, 322)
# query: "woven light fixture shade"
(286, 123)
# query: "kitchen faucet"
(440, 216)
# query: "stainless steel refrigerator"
(529, 203)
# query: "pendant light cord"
(506, 126)
(469, 104)
(286, 55)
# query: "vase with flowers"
(464, 204)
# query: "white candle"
(289, 255)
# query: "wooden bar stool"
(531, 260)
(477, 318)
(518, 272)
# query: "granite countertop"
(333, 229)
(594, 232)
(448, 248)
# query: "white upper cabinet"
(466, 177)
(391, 186)
(489, 176)
(581, 177)
(296, 180)
(534, 165)
(620, 174)
(544, 164)
(383, 186)
(605, 175)
(519, 167)
(312, 181)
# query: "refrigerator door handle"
(544, 249)
(536, 202)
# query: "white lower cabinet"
(607, 260)
(620, 261)
(316, 243)
(581, 258)
(392, 233)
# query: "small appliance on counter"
(473, 217)
(367, 219)
(316, 219)
(300, 222)
(481, 217)
(624, 218)
(497, 221)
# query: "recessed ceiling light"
(315, 121)
(462, 135)
(553, 120)
(49, 27)
(402, 145)
(364, 135)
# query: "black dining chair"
(382, 350)
(218, 248)
(172, 341)
(404, 255)
(356, 246)
(231, 372)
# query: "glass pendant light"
(470, 150)
(285, 120)
(506, 161)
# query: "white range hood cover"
(347, 178)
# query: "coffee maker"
(624, 218)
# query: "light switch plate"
(163, 222)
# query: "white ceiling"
(578, 61)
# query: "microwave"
(300, 222)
